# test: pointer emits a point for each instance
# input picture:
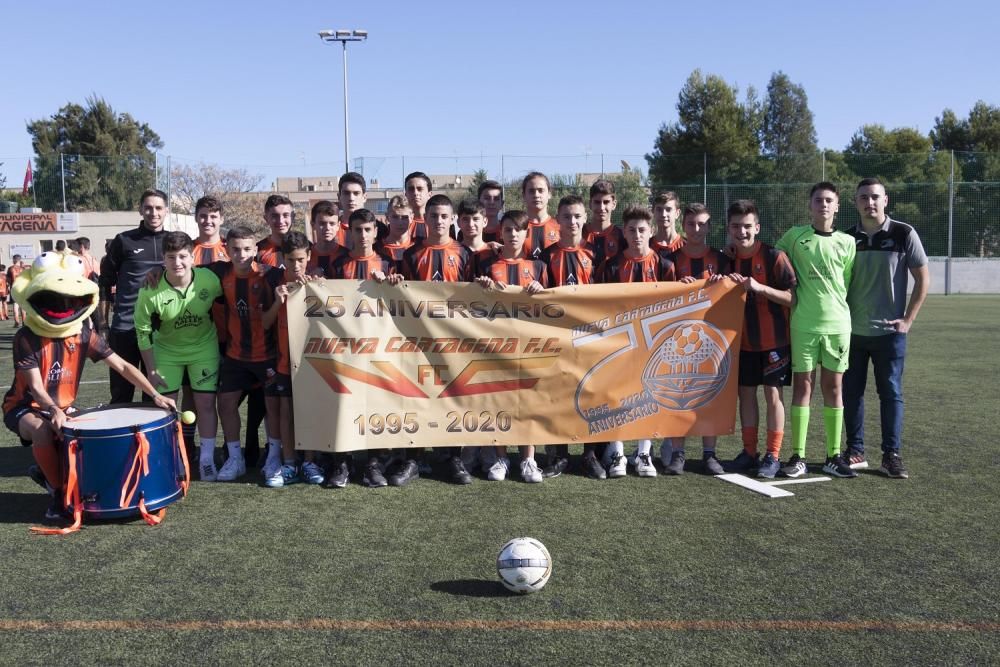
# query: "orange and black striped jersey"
(699, 267)
(418, 229)
(652, 268)
(479, 257)
(347, 267)
(522, 271)
(343, 235)
(206, 253)
(450, 263)
(268, 252)
(3, 283)
(59, 361)
(394, 253)
(540, 236)
(765, 325)
(243, 303)
(571, 266)
(324, 260)
(609, 242)
(663, 246)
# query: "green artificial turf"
(846, 558)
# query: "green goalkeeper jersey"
(178, 322)
(823, 262)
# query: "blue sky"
(257, 87)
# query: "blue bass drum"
(129, 460)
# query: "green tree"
(108, 158)
(976, 144)
(711, 121)
(787, 127)
(478, 177)
(916, 178)
(787, 134)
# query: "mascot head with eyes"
(55, 294)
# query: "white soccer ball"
(524, 565)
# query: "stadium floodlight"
(344, 36)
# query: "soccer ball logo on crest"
(690, 367)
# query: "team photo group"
(201, 325)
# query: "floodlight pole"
(345, 36)
(347, 132)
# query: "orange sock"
(774, 439)
(750, 440)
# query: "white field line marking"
(807, 480)
(754, 485)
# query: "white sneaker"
(234, 468)
(275, 480)
(617, 467)
(530, 472)
(209, 473)
(498, 471)
(272, 467)
(644, 466)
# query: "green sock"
(800, 425)
(833, 418)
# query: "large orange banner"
(425, 364)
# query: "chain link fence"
(951, 198)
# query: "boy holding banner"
(439, 258)
(511, 267)
(695, 260)
(637, 263)
(361, 262)
(571, 261)
(295, 249)
(765, 353)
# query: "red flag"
(28, 179)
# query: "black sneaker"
(892, 466)
(837, 466)
(338, 475)
(856, 459)
(744, 462)
(373, 477)
(556, 467)
(408, 471)
(592, 468)
(459, 474)
(57, 511)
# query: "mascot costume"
(57, 298)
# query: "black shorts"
(12, 420)
(237, 375)
(279, 385)
(772, 368)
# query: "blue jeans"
(887, 354)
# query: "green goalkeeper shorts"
(831, 351)
(202, 370)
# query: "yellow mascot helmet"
(55, 295)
